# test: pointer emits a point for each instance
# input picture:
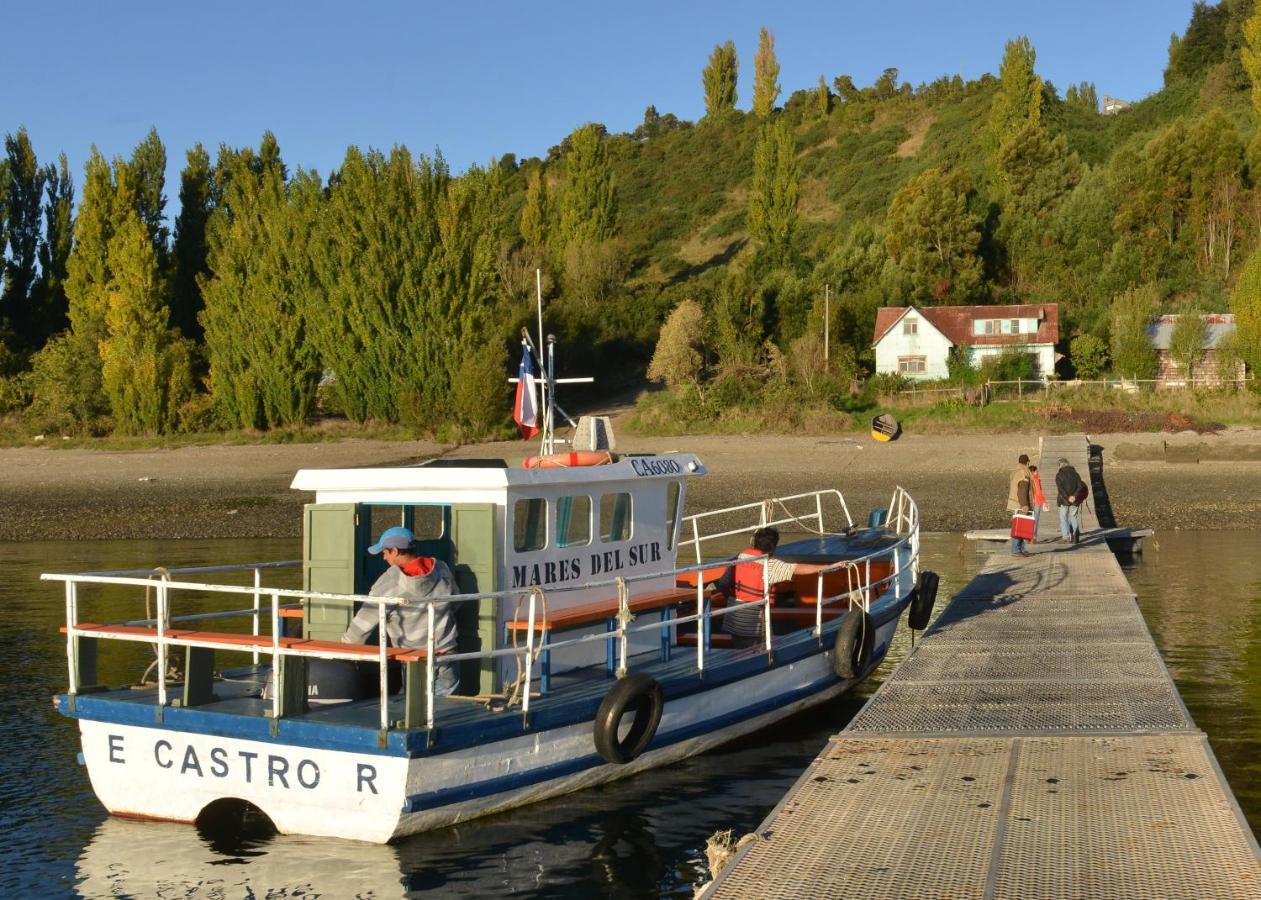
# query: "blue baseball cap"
(396, 538)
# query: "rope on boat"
(173, 672)
(514, 694)
(804, 526)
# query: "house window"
(910, 326)
(1015, 326)
(991, 326)
(912, 365)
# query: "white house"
(916, 343)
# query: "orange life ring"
(567, 460)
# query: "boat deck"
(1033, 745)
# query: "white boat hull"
(159, 773)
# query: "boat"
(885, 427)
(591, 645)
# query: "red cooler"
(1022, 526)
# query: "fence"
(992, 391)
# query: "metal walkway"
(1032, 746)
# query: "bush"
(1089, 356)
(1010, 365)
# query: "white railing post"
(383, 667)
(766, 597)
(867, 587)
(702, 622)
(162, 614)
(277, 662)
(72, 621)
(258, 583)
(623, 620)
(818, 608)
(818, 508)
(696, 539)
(431, 667)
(529, 661)
(897, 575)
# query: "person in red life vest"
(743, 583)
(410, 576)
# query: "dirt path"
(243, 491)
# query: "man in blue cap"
(410, 576)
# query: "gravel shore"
(959, 481)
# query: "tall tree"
(1037, 173)
(1250, 56)
(772, 214)
(933, 238)
(1245, 303)
(765, 76)
(536, 214)
(189, 251)
(719, 79)
(144, 363)
(1132, 352)
(147, 169)
(54, 249)
(24, 202)
(823, 99)
(588, 203)
(1018, 102)
(1186, 341)
(261, 286)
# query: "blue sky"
(482, 79)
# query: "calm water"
(1201, 593)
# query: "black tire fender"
(922, 600)
(854, 641)
(637, 693)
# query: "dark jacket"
(1067, 484)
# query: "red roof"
(955, 322)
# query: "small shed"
(1211, 370)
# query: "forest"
(391, 291)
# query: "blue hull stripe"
(465, 792)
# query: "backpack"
(1082, 493)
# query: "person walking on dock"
(1020, 498)
(1069, 489)
(1039, 500)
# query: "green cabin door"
(476, 567)
(331, 562)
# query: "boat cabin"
(573, 531)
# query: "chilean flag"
(525, 411)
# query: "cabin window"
(912, 365)
(573, 521)
(615, 517)
(529, 525)
(426, 522)
(673, 492)
(1015, 326)
(910, 326)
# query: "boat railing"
(764, 514)
(157, 630)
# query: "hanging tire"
(638, 694)
(922, 600)
(854, 641)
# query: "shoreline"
(959, 481)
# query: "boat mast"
(547, 377)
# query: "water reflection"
(644, 837)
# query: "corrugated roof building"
(915, 342)
(1210, 369)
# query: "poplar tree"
(933, 238)
(263, 369)
(765, 76)
(588, 203)
(24, 202)
(1018, 102)
(189, 250)
(1132, 352)
(147, 169)
(1186, 341)
(823, 99)
(54, 249)
(719, 79)
(144, 363)
(1245, 304)
(772, 214)
(536, 214)
(1250, 56)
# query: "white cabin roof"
(482, 479)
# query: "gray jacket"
(408, 626)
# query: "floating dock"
(1033, 745)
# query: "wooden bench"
(605, 611)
